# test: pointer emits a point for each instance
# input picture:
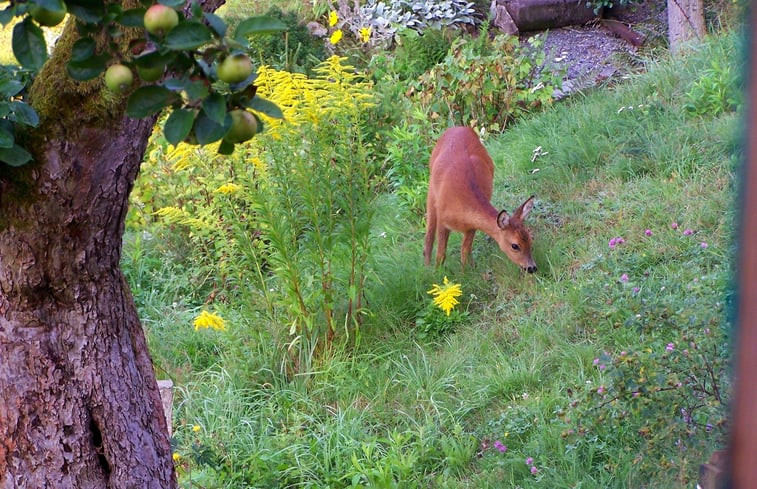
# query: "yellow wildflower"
(333, 19)
(336, 36)
(228, 188)
(365, 34)
(196, 428)
(176, 457)
(445, 296)
(209, 320)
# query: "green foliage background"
(608, 368)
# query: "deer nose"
(531, 269)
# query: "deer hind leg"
(465, 249)
(428, 247)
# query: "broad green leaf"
(209, 131)
(256, 26)
(54, 5)
(172, 3)
(154, 59)
(83, 49)
(225, 148)
(178, 125)
(9, 88)
(216, 23)
(87, 69)
(29, 45)
(265, 107)
(91, 11)
(196, 90)
(5, 110)
(24, 113)
(187, 36)
(15, 155)
(6, 136)
(214, 107)
(133, 17)
(7, 15)
(149, 100)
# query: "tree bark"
(685, 22)
(79, 403)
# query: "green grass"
(389, 409)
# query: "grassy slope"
(418, 411)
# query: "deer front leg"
(465, 249)
(442, 236)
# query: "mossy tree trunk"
(79, 403)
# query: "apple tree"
(79, 403)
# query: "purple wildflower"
(624, 277)
(529, 461)
(534, 470)
(601, 389)
(636, 290)
(704, 245)
(674, 225)
(648, 232)
(670, 347)
(596, 361)
(499, 446)
(688, 232)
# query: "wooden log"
(535, 15)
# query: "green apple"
(45, 17)
(243, 126)
(118, 78)
(235, 68)
(160, 19)
(150, 74)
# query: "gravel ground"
(591, 54)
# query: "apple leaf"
(214, 107)
(88, 68)
(256, 26)
(149, 100)
(15, 155)
(266, 107)
(23, 113)
(209, 131)
(28, 44)
(83, 49)
(187, 36)
(133, 17)
(178, 125)
(216, 23)
(225, 148)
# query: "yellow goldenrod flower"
(445, 296)
(336, 36)
(365, 34)
(209, 320)
(228, 188)
(333, 19)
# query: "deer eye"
(515, 246)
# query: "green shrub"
(488, 84)
(416, 53)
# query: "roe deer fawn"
(459, 195)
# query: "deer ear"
(524, 209)
(503, 219)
